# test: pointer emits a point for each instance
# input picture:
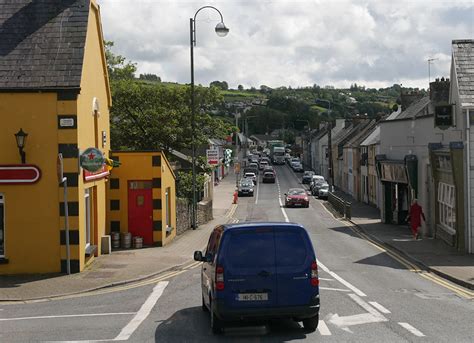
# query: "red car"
(296, 197)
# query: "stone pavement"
(123, 266)
(431, 253)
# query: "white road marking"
(367, 307)
(143, 313)
(325, 279)
(323, 329)
(356, 319)
(379, 307)
(410, 328)
(256, 196)
(334, 289)
(67, 316)
(341, 280)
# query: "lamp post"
(329, 129)
(20, 137)
(221, 31)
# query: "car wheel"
(216, 323)
(204, 307)
(311, 324)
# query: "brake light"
(314, 274)
(219, 278)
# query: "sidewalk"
(125, 266)
(431, 253)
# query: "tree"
(117, 66)
(156, 116)
(240, 87)
(221, 85)
(150, 77)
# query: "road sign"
(16, 174)
(212, 156)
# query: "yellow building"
(54, 86)
(142, 196)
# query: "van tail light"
(314, 274)
(219, 278)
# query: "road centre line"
(323, 329)
(334, 289)
(68, 316)
(379, 307)
(413, 330)
(256, 196)
(143, 312)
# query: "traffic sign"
(212, 156)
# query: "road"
(366, 295)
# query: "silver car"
(246, 187)
(323, 191)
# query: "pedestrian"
(414, 216)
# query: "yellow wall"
(32, 214)
(138, 166)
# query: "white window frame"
(2, 201)
(447, 206)
(87, 212)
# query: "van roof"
(259, 225)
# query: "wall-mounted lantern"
(20, 143)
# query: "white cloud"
(297, 43)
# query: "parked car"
(307, 176)
(297, 167)
(269, 168)
(246, 187)
(293, 159)
(317, 185)
(296, 197)
(323, 191)
(268, 177)
(262, 164)
(259, 271)
(315, 179)
(250, 170)
(252, 176)
(253, 165)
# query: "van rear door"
(248, 258)
(294, 255)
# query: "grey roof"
(416, 109)
(373, 138)
(361, 135)
(42, 43)
(463, 58)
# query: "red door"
(140, 211)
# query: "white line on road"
(335, 289)
(143, 313)
(325, 279)
(341, 280)
(410, 328)
(379, 307)
(256, 196)
(366, 306)
(67, 316)
(323, 329)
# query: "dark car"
(296, 197)
(268, 177)
(307, 176)
(259, 271)
(246, 187)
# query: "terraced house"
(53, 87)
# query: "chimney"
(439, 91)
(409, 97)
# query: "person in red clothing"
(415, 215)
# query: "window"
(251, 249)
(290, 248)
(2, 226)
(87, 204)
(447, 206)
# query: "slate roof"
(373, 138)
(42, 43)
(361, 135)
(463, 58)
(417, 109)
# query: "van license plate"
(252, 297)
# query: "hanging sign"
(16, 174)
(99, 174)
(212, 156)
(92, 160)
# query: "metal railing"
(340, 205)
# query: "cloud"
(291, 43)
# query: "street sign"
(16, 174)
(92, 160)
(212, 156)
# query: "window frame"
(447, 206)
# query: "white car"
(316, 179)
(251, 176)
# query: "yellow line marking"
(409, 265)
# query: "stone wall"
(184, 213)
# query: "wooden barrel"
(115, 236)
(137, 242)
(126, 240)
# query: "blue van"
(259, 271)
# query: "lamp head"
(21, 138)
(221, 29)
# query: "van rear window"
(251, 249)
(291, 249)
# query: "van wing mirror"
(198, 256)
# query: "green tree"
(117, 66)
(220, 85)
(184, 184)
(150, 77)
(240, 87)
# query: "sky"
(375, 43)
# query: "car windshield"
(308, 173)
(296, 191)
(250, 175)
(246, 183)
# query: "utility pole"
(430, 60)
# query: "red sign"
(17, 174)
(100, 174)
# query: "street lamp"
(221, 31)
(329, 130)
(20, 137)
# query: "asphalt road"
(366, 296)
